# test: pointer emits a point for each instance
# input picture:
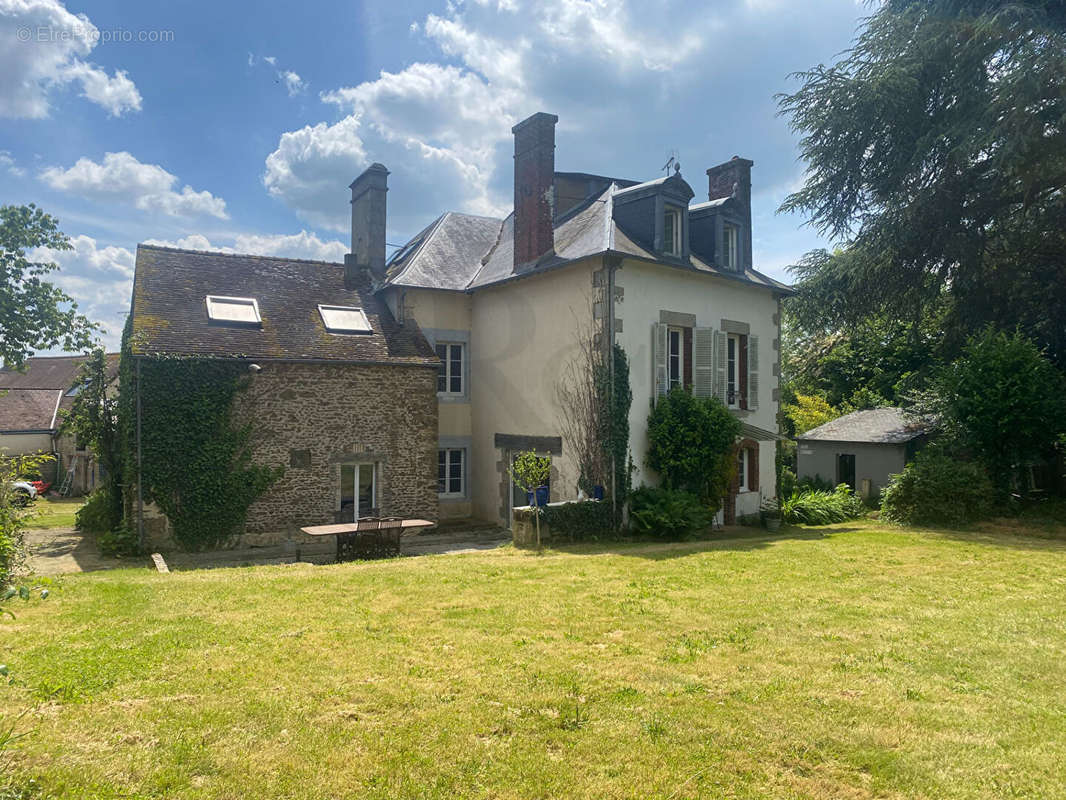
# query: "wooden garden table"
(368, 538)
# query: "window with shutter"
(660, 376)
(720, 363)
(703, 362)
(753, 372)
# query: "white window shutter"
(703, 362)
(720, 365)
(753, 372)
(660, 376)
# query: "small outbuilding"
(860, 449)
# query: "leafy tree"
(93, 418)
(808, 412)
(34, 314)
(1005, 402)
(529, 472)
(692, 445)
(936, 153)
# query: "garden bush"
(819, 507)
(591, 519)
(98, 513)
(120, 540)
(937, 489)
(668, 513)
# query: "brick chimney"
(534, 176)
(733, 179)
(368, 226)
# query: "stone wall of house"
(312, 418)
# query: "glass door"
(358, 492)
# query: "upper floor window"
(450, 376)
(675, 358)
(672, 231)
(729, 246)
(734, 357)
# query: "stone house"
(341, 395)
(33, 403)
(469, 329)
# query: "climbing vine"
(196, 462)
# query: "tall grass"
(819, 507)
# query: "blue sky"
(218, 125)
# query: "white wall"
(651, 288)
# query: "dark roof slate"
(23, 410)
(170, 311)
(460, 252)
(50, 372)
(874, 426)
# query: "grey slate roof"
(452, 254)
(170, 313)
(25, 410)
(876, 426)
(50, 372)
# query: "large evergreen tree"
(936, 153)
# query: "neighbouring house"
(861, 449)
(465, 333)
(33, 402)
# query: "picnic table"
(368, 537)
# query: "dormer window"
(344, 319)
(672, 231)
(729, 247)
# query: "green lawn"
(848, 662)
(51, 513)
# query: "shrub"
(668, 513)
(98, 513)
(937, 489)
(591, 519)
(692, 445)
(119, 541)
(819, 507)
(815, 484)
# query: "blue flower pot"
(542, 496)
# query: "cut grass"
(49, 513)
(852, 661)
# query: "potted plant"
(530, 473)
(771, 514)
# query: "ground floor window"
(743, 458)
(451, 472)
(358, 490)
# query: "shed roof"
(874, 426)
(29, 410)
(50, 372)
(170, 312)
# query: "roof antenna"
(673, 162)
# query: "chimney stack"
(368, 226)
(733, 179)
(534, 178)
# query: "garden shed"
(861, 449)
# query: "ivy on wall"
(196, 463)
(614, 400)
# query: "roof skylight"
(234, 310)
(344, 319)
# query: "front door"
(846, 469)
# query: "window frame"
(730, 246)
(447, 365)
(743, 465)
(374, 481)
(671, 384)
(733, 363)
(672, 246)
(448, 452)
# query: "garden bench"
(368, 537)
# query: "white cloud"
(100, 279)
(294, 84)
(297, 245)
(122, 178)
(42, 48)
(8, 163)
